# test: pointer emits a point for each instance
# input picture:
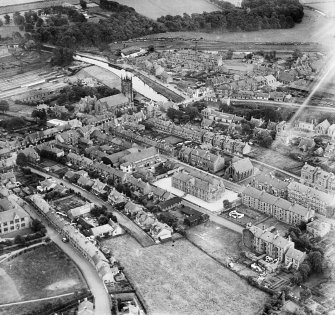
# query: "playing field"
(43, 272)
(156, 8)
(179, 279)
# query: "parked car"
(65, 240)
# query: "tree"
(1, 22)
(305, 294)
(296, 54)
(305, 270)
(62, 56)
(21, 159)
(230, 54)
(315, 258)
(226, 204)
(102, 220)
(7, 19)
(4, 106)
(19, 239)
(37, 226)
(83, 4)
(151, 48)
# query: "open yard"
(43, 272)
(68, 203)
(179, 279)
(156, 8)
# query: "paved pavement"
(143, 238)
(101, 298)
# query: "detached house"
(322, 128)
(99, 188)
(31, 155)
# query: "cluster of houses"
(106, 269)
(281, 209)
(264, 241)
(199, 135)
(295, 192)
(317, 178)
(148, 222)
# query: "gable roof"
(243, 165)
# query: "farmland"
(43, 272)
(156, 8)
(173, 282)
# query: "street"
(101, 298)
(143, 238)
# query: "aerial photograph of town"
(167, 157)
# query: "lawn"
(156, 8)
(179, 279)
(43, 272)
(215, 240)
(68, 203)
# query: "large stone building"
(263, 241)
(277, 207)
(310, 197)
(318, 178)
(12, 216)
(202, 159)
(270, 184)
(200, 185)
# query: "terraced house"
(202, 159)
(274, 245)
(281, 209)
(270, 184)
(202, 186)
(310, 197)
(317, 178)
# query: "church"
(112, 104)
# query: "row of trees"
(254, 15)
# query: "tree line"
(70, 29)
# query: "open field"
(156, 8)
(175, 283)
(9, 6)
(215, 240)
(43, 272)
(68, 203)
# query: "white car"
(268, 259)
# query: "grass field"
(156, 8)
(215, 240)
(43, 272)
(179, 279)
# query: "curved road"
(101, 297)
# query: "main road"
(101, 298)
(143, 238)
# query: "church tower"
(127, 85)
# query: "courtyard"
(67, 203)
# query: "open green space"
(43, 272)
(177, 278)
(68, 203)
